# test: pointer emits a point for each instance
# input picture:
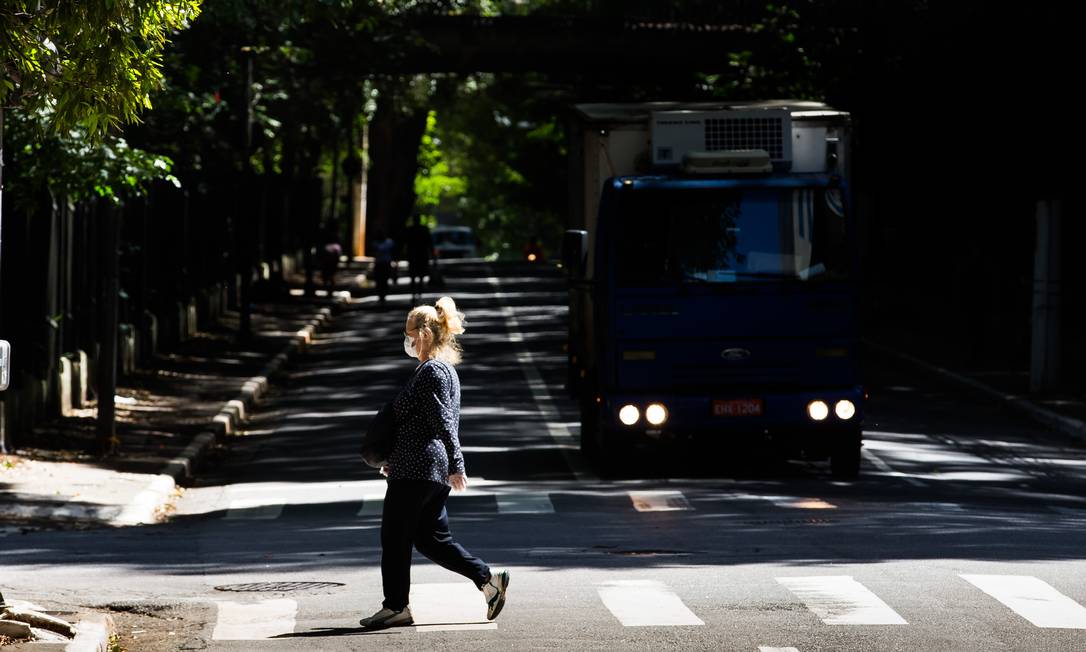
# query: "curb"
(142, 509)
(1066, 425)
(92, 634)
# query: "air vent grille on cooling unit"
(745, 133)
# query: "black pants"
(382, 271)
(414, 513)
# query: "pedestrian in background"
(420, 250)
(329, 259)
(425, 464)
(382, 263)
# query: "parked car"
(454, 242)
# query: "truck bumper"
(732, 417)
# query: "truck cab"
(713, 285)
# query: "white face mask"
(409, 348)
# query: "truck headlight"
(656, 414)
(844, 409)
(818, 410)
(629, 414)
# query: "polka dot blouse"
(427, 426)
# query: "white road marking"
(932, 506)
(763, 648)
(372, 505)
(645, 603)
(1033, 599)
(524, 504)
(557, 429)
(841, 600)
(659, 501)
(249, 622)
(886, 468)
(449, 607)
(1069, 511)
(252, 509)
(266, 500)
(804, 503)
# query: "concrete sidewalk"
(1065, 414)
(169, 417)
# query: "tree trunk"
(394, 138)
(358, 195)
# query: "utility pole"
(1, 210)
(5, 348)
(109, 229)
(246, 204)
(1045, 352)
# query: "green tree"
(76, 71)
(93, 63)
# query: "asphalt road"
(965, 530)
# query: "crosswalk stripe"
(525, 504)
(804, 503)
(1033, 599)
(1069, 511)
(248, 622)
(252, 509)
(645, 603)
(790, 502)
(448, 607)
(659, 501)
(841, 600)
(372, 505)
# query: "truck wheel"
(845, 456)
(598, 443)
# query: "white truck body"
(613, 140)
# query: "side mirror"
(575, 253)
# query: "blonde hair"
(444, 322)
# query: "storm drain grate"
(277, 587)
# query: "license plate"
(740, 407)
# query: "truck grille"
(719, 377)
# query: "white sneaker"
(388, 618)
(494, 592)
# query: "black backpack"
(379, 438)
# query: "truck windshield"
(668, 236)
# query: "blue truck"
(712, 259)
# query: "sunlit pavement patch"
(448, 607)
(247, 622)
(975, 476)
(524, 504)
(788, 502)
(805, 503)
(659, 501)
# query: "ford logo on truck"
(735, 354)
